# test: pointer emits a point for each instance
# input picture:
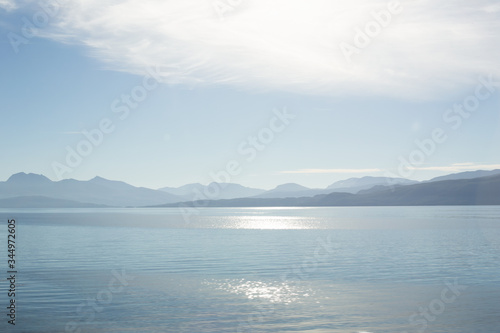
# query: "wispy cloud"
(293, 45)
(464, 164)
(8, 5)
(457, 167)
(313, 171)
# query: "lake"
(332, 269)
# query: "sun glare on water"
(269, 222)
(273, 292)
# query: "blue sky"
(355, 103)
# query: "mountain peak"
(288, 187)
(23, 177)
(98, 179)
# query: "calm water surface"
(357, 269)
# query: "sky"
(255, 92)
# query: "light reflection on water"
(273, 292)
(262, 222)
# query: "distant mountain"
(185, 190)
(212, 191)
(466, 175)
(291, 190)
(476, 191)
(32, 190)
(354, 185)
(28, 179)
(97, 191)
(289, 187)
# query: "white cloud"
(8, 5)
(458, 167)
(455, 167)
(430, 48)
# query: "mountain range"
(468, 191)
(23, 190)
